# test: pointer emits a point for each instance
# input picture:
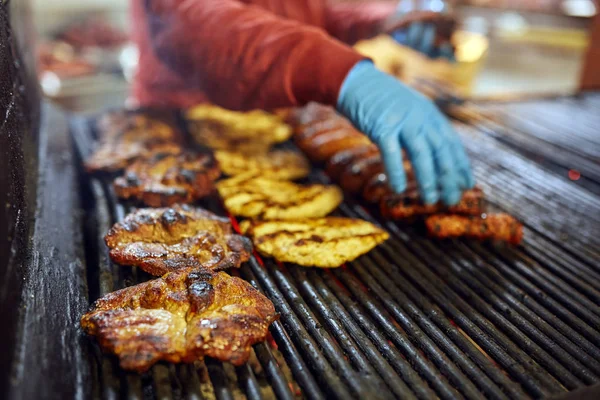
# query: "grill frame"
(420, 336)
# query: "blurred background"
(504, 48)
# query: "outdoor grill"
(415, 317)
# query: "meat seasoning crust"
(324, 242)
(181, 317)
(165, 179)
(161, 240)
(501, 227)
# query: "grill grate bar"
(361, 383)
(547, 294)
(274, 374)
(375, 262)
(528, 307)
(515, 322)
(326, 374)
(318, 288)
(353, 348)
(584, 282)
(410, 351)
(218, 379)
(509, 329)
(299, 369)
(390, 352)
(397, 307)
(249, 383)
(537, 381)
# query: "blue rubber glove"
(396, 117)
(421, 35)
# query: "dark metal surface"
(414, 318)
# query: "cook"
(278, 53)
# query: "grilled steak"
(165, 179)
(501, 227)
(181, 317)
(276, 164)
(262, 198)
(324, 242)
(161, 240)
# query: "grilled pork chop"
(276, 164)
(324, 242)
(255, 197)
(181, 317)
(119, 147)
(164, 179)
(161, 240)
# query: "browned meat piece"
(356, 175)
(161, 240)
(408, 205)
(377, 187)
(181, 317)
(341, 160)
(323, 147)
(165, 179)
(311, 113)
(501, 227)
(127, 140)
(304, 133)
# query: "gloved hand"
(396, 117)
(425, 27)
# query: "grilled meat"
(165, 179)
(501, 227)
(304, 134)
(341, 160)
(322, 147)
(325, 242)
(125, 143)
(276, 164)
(161, 240)
(356, 175)
(181, 317)
(311, 113)
(408, 205)
(255, 197)
(222, 129)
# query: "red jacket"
(247, 54)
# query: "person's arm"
(351, 22)
(244, 57)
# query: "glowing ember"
(574, 175)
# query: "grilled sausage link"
(408, 205)
(356, 175)
(341, 160)
(502, 227)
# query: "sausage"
(356, 175)
(501, 227)
(408, 205)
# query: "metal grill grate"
(414, 318)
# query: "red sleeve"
(351, 22)
(244, 57)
